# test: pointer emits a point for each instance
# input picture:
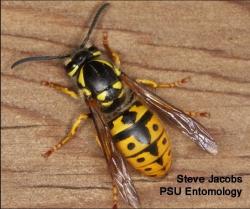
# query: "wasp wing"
(116, 163)
(185, 123)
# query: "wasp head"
(79, 58)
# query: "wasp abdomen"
(141, 138)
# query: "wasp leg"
(198, 114)
(114, 189)
(154, 84)
(115, 195)
(61, 89)
(113, 55)
(69, 136)
(98, 142)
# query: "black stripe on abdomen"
(152, 148)
(138, 130)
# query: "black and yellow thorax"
(96, 77)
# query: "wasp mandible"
(126, 115)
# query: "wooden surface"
(165, 41)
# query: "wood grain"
(165, 41)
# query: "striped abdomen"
(141, 138)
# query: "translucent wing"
(116, 164)
(185, 123)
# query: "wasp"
(125, 113)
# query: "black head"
(80, 57)
(82, 54)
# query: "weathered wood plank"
(165, 41)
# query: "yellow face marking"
(107, 104)
(72, 72)
(117, 85)
(102, 96)
(80, 78)
(97, 53)
(67, 61)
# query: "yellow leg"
(198, 114)
(114, 191)
(69, 136)
(61, 89)
(98, 142)
(154, 84)
(113, 55)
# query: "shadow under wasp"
(125, 114)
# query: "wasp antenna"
(39, 58)
(98, 13)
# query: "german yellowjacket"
(125, 114)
